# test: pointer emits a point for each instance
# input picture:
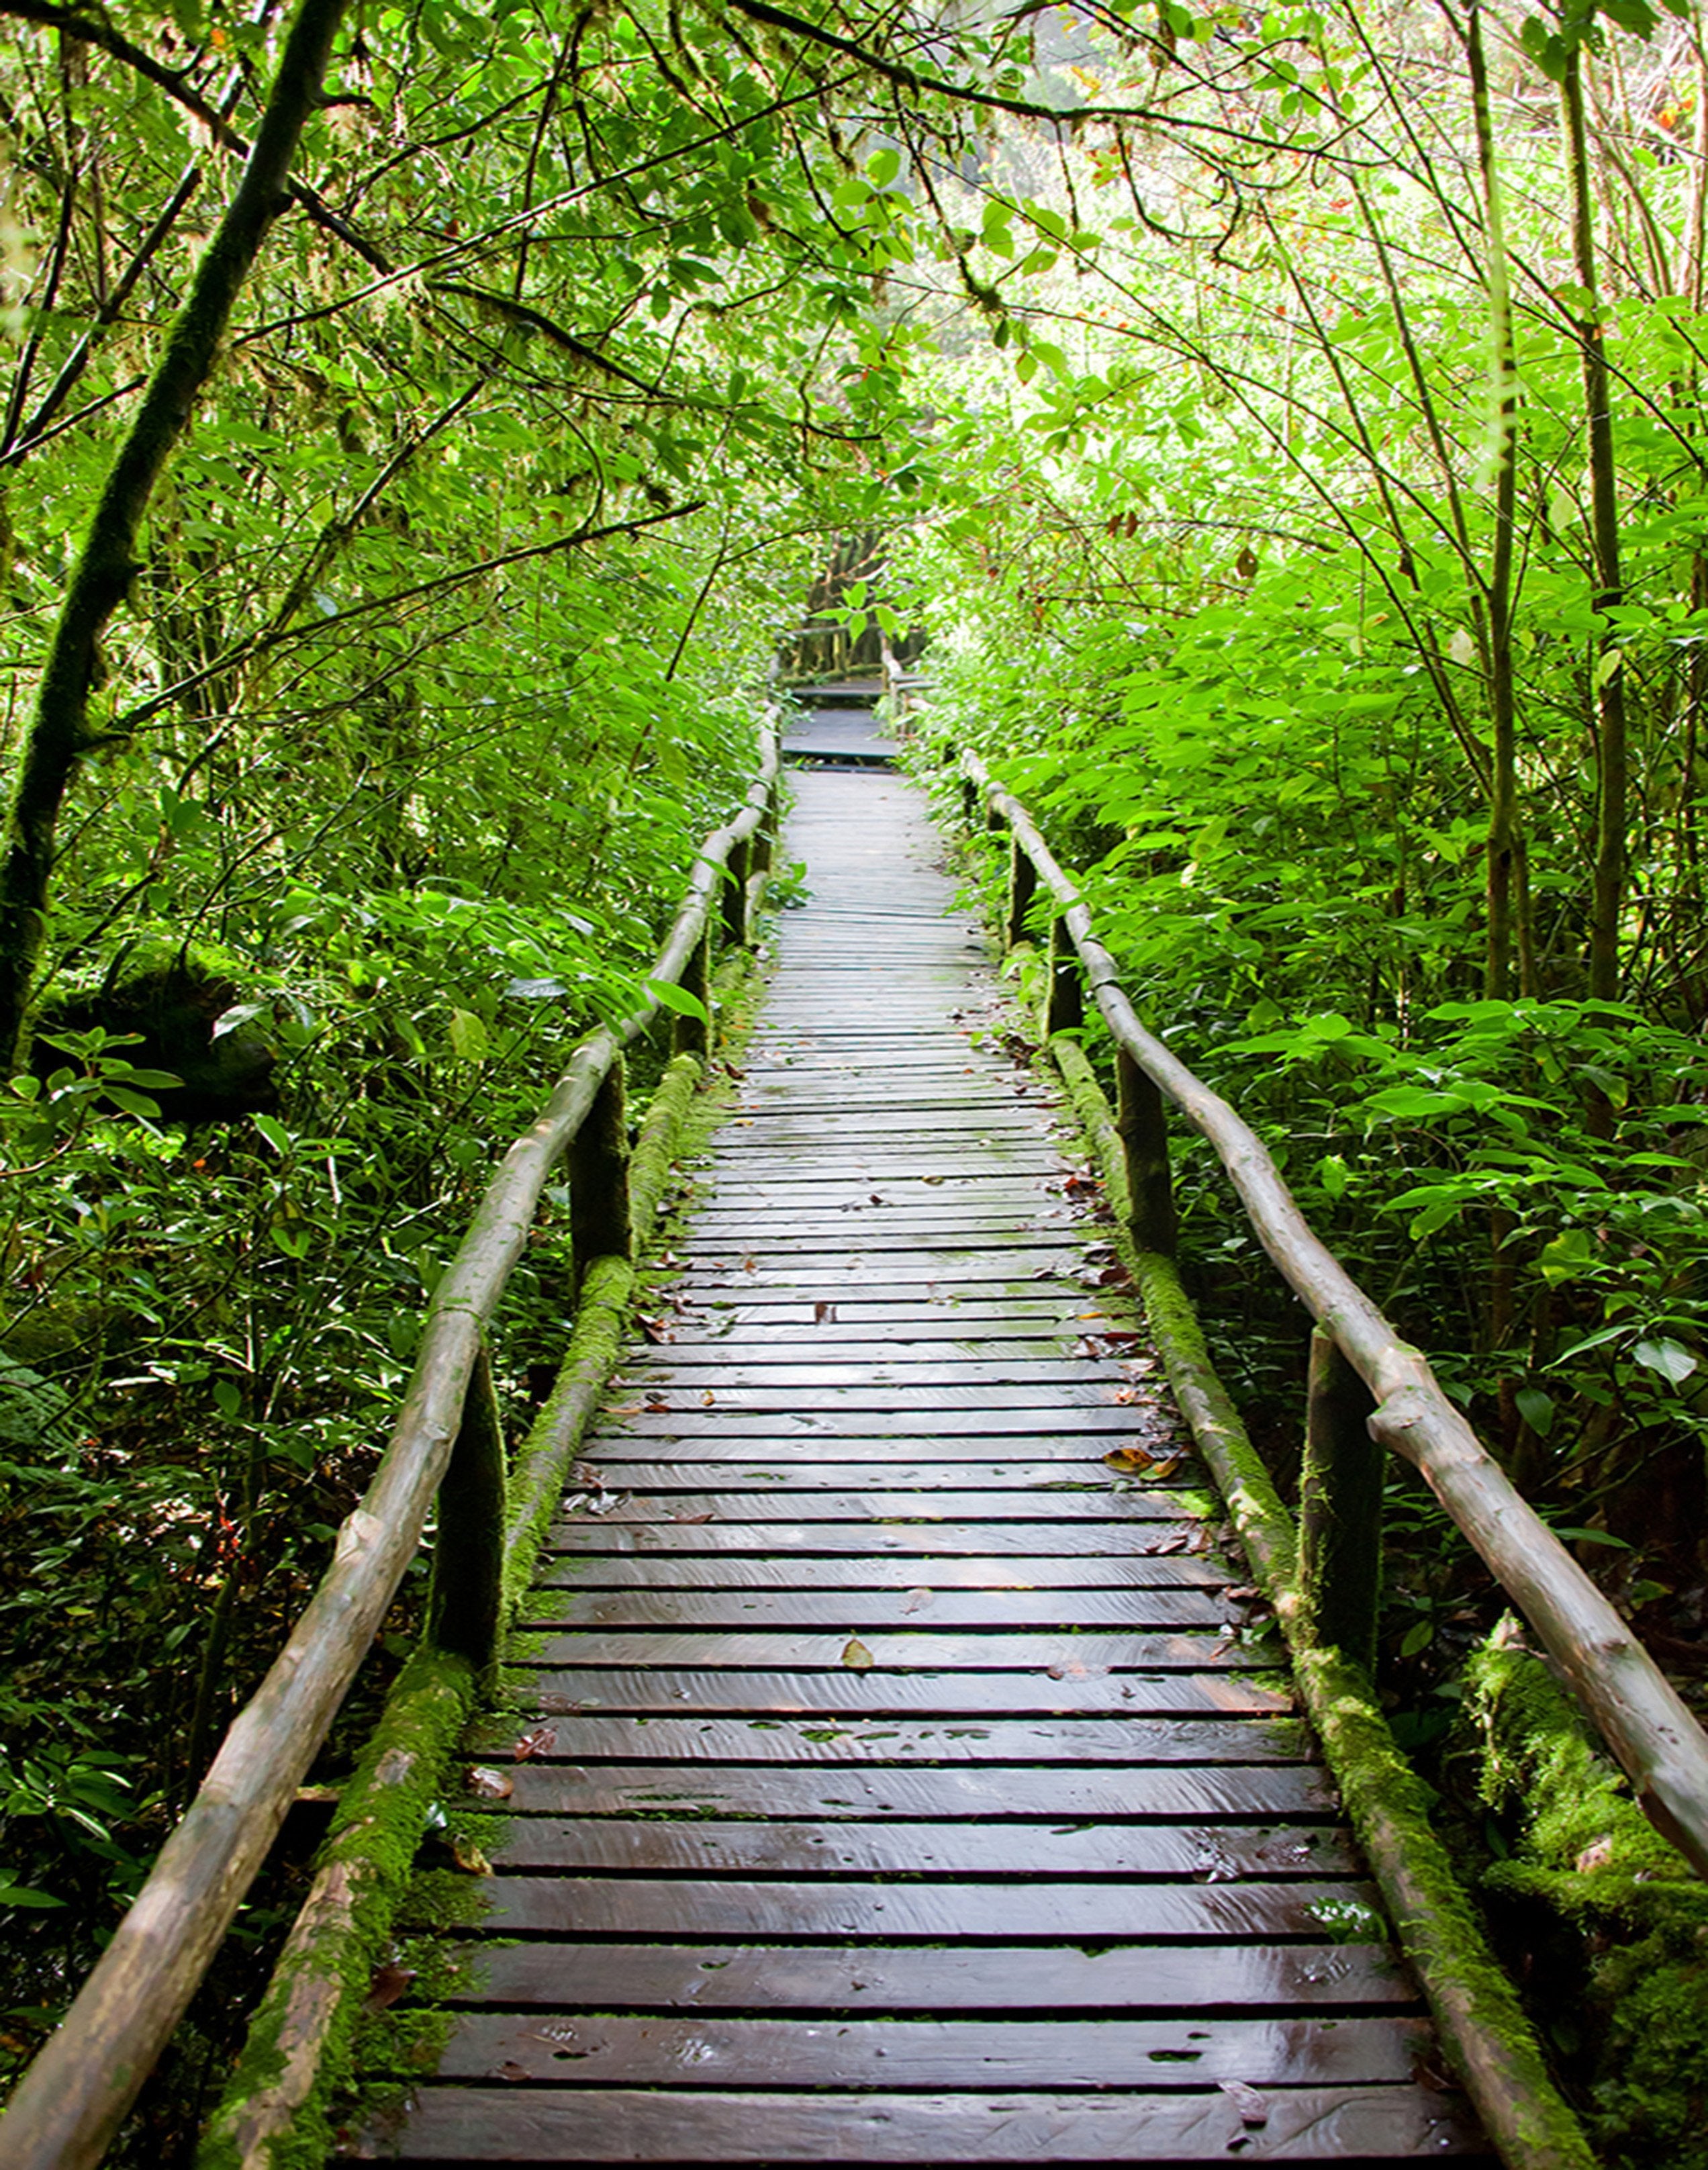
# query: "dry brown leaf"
(708, 1399)
(705, 1516)
(1252, 2109)
(512, 2070)
(491, 1785)
(856, 1657)
(541, 1741)
(468, 1857)
(917, 1600)
(1131, 1461)
(823, 1312)
(386, 1985)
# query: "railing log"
(1644, 1721)
(1340, 1508)
(68, 2107)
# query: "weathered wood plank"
(700, 1846)
(854, 1696)
(916, 1604)
(1130, 1978)
(747, 1468)
(592, 2051)
(919, 1649)
(922, 1908)
(916, 1540)
(625, 2124)
(1178, 1745)
(1015, 1571)
(1193, 1796)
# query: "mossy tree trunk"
(60, 734)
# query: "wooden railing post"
(735, 894)
(969, 802)
(1139, 1119)
(1063, 1001)
(465, 1603)
(600, 1226)
(765, 840)
(1340, 1508)
(1022, 886)
(695, 1035)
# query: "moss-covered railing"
(1368, 1390)
(446, 1445)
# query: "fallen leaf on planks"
(468, 1857)
(823, 1313)
(491, 1785)
(1140, 1461)
(386, 1985)
(1252, 2109)
(856, 1657)
(541, 1741)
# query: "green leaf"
(1536, 1408)
(274, 1132)
(470, 1041)
(1671, 1359)
(669, 996)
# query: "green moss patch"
(1593, 1888)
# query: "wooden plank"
(1015, 1571)
(1177, 1745)
(700, 1846)
(879, 1460)
(834, 1266)
(919, 1649)
(742, 1470)
(695, 1366)
(916, 1540)
(906, 1420)
(1046, 1406)
(1040, 1505)
(918, 1909)
(1163, 2055)
(1132, 1978)
(863, 1609)
(858, 1694)
(635, 2125)
(1194, 1796)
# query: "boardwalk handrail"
(1646, 1723)
(75, 2095)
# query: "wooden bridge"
(901, 1782)
(895, 1761)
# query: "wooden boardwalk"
(892, 1778)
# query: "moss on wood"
(1483, 2027)
(272, 2115)
(1589, 1878)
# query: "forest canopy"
(421, 427)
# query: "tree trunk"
(59, 732)
(1611, 775)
